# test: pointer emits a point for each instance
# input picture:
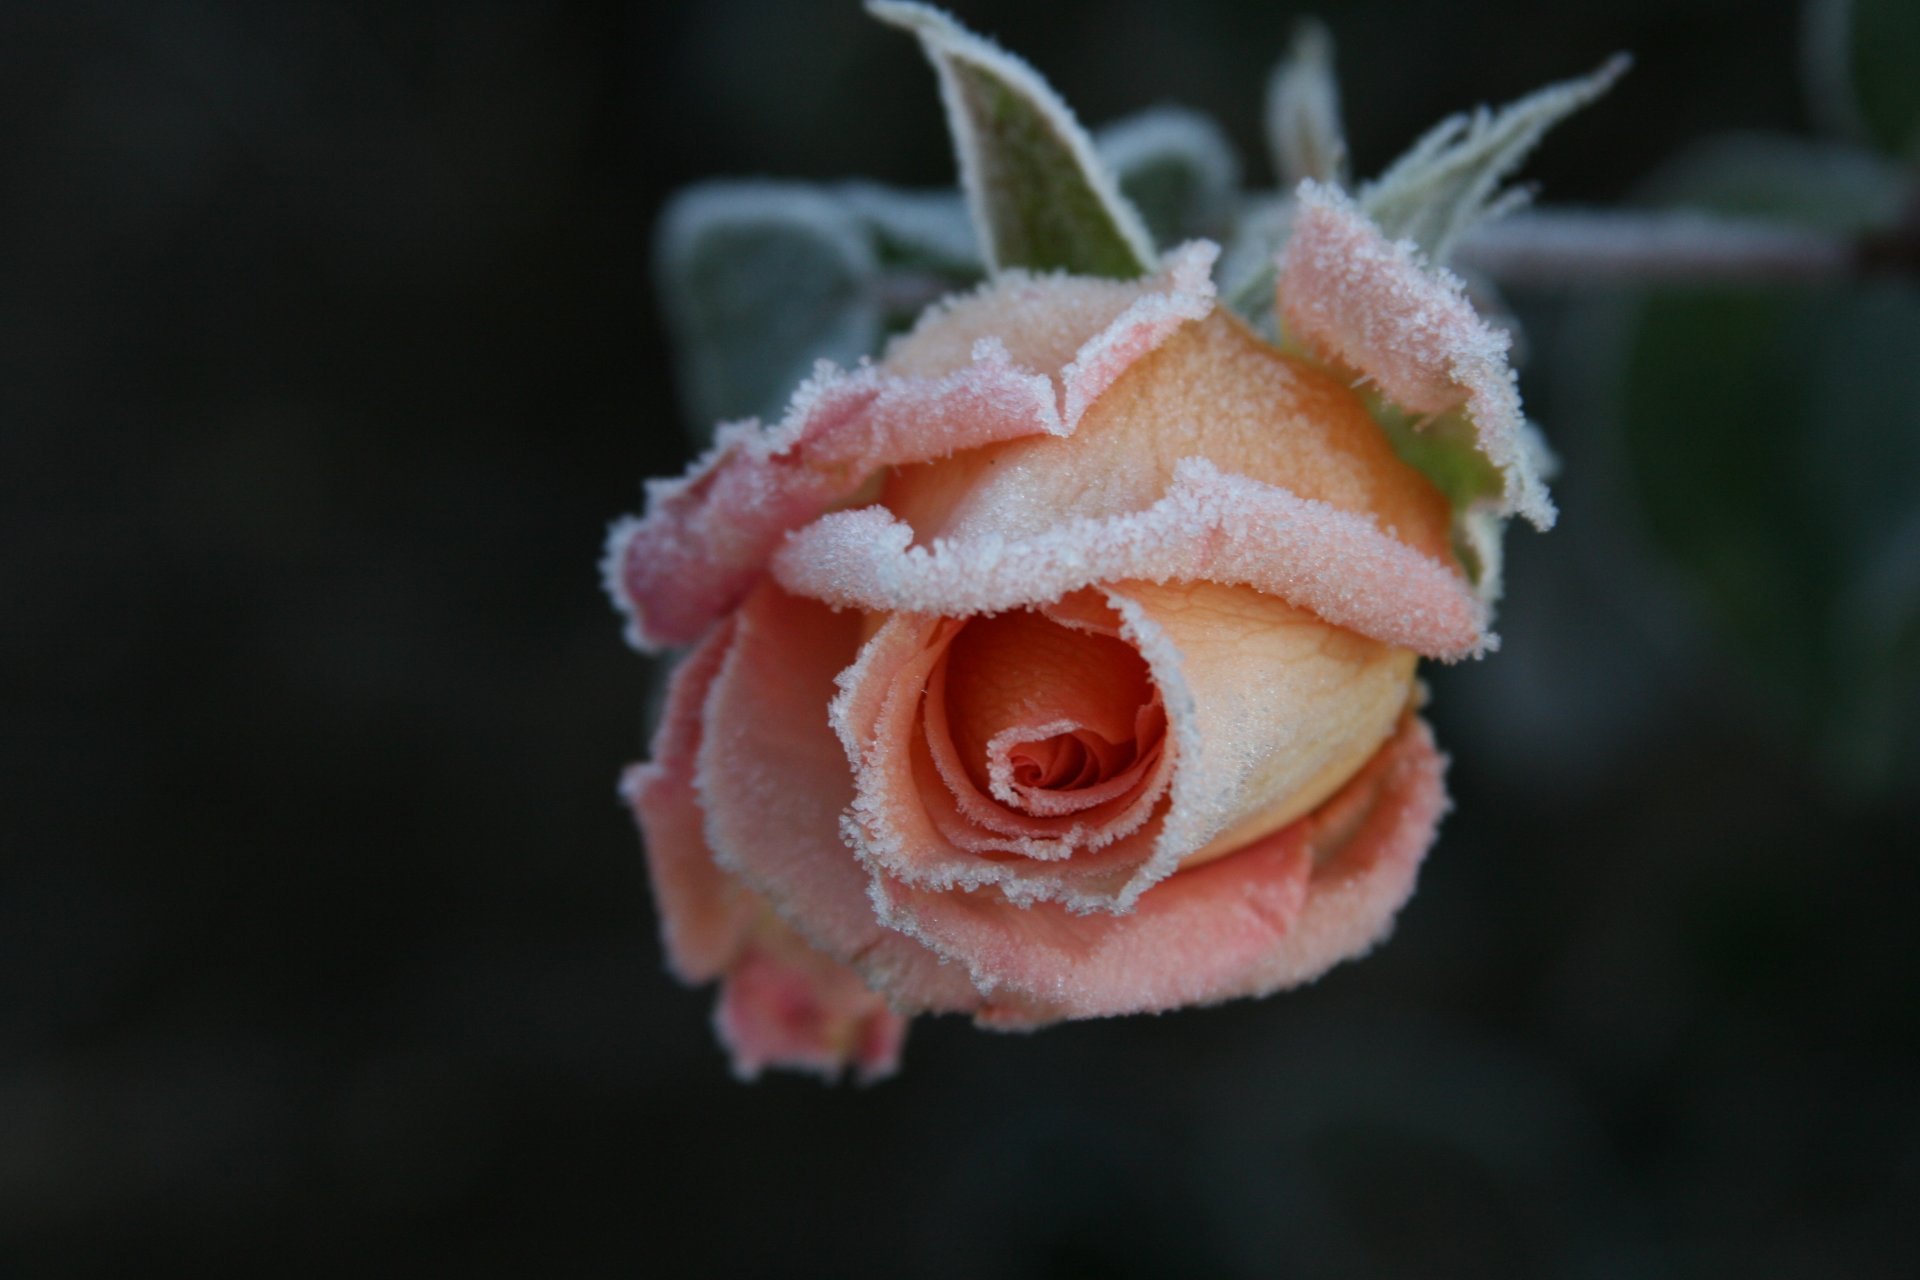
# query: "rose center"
(1048, 718)
(1068, 761)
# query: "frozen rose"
(1062, 664)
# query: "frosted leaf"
(758, 281)
(1450, 180)
(1303, 110)
(1477, 545)
(915, 229)
(1178, 170)
(1246, 263)
(1375, 307)
(1039, 195)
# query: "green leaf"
(1303, 111)
(758, 281)
(1450, 180)
(1446, 450)
(1863, 71)
(1886, 44)
(1039, 196)
(1769, 445)
(1246, 263)
(916, 230)
(1177, 168)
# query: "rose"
(1062, 664)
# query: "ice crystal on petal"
(1376, 307)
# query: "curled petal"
(773, 783)
(1209, 527)
(1371, 304)
(782, 1004)
(1267, 711)
(1275, 914)
(705, 915)
(705, 537)
(908, 821)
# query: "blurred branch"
(1583, 248)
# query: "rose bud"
(1062, 663)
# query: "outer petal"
(1052, 346)
(1352, 295)
(1209, 527)
(1277, 913)
(786, 1005)
(782, 1004)
(705, 915)
(773, 783)
(1216, 458)
(1213, 390)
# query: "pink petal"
(1268, 710)
(706, 537)
(1209, 527)
(905, 820)
(705, 914)
(1213, 390)
(785, 1005)
(773, 784)
(1276, 913)
(1371, 304)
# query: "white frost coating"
(1374, 305)
(946, 41)
(1449, 182)
(1199, 807)
(1303, 110)
(1209, 527)
(1144, 325)
(707, 535)
(896, 833)
(1200, 792)
(1186, 137)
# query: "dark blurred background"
(330, 349)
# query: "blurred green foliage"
(1773, 440)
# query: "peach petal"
(1360, 884)
(903, 821)
(1370, 303)
(1242, 755)
(1210, 527)
(786, 1005)
(1213, 390)
(1089, 330)
(706, 536)
(773, 786)
(1269, 711)
(1019, 684)
(705, 914)
(974, 823)
(1105, 813)
(1277, 913)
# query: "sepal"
(1041, 198)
